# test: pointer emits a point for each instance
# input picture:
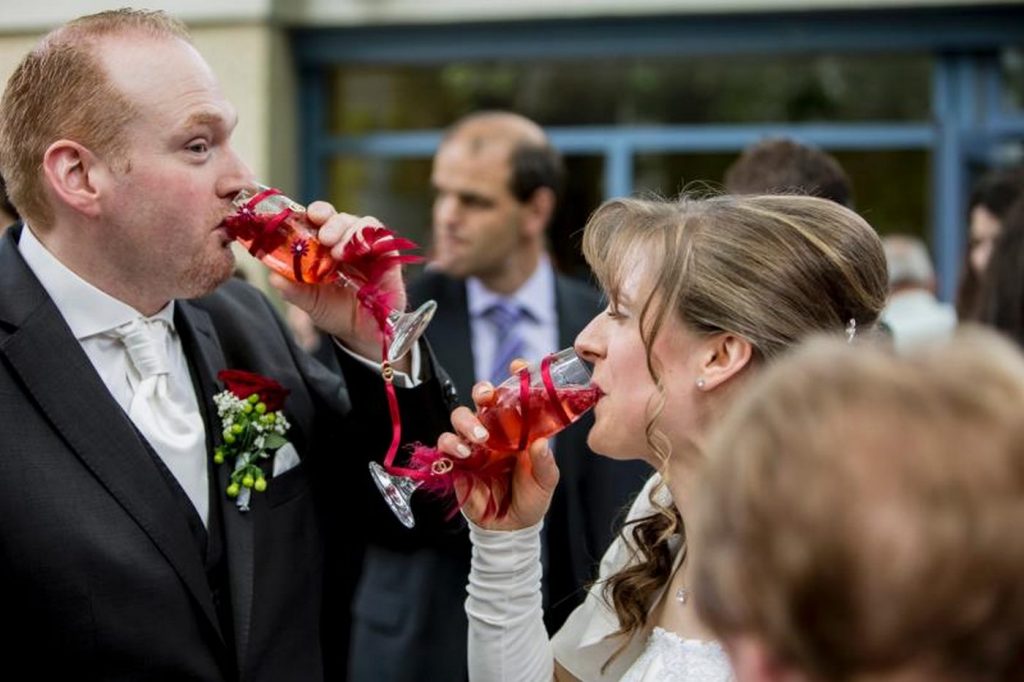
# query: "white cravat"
(171, 425)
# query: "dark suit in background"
(409, 621)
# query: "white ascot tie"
(170, 423)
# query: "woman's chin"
(603, 447)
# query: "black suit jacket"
(103, 578)
(423, 574)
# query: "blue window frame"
(970, 123)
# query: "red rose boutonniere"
(254, 428)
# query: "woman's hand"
(533, 479)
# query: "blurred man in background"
(497, 179)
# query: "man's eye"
(198, 147)
(472, 201)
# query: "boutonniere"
(253, 429)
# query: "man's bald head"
(533, 162)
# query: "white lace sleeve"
(507, 639)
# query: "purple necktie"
(505, 317)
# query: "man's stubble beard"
(205, 273)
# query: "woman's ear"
(71, 171)
(724, 356)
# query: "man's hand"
(333, 307)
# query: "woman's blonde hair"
(62, 90)
(772, 269)
(862, 512)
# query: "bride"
(702, 293)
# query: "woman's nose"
(587, 341)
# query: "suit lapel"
(59, 377)
(451, 338)
(202, 347)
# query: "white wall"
(42, 15)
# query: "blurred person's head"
(860, 517)
(702, 293)
(496, 179)
(115, 144)
(783, 166)
(990, 199)
(908, 262)
(1001, 301)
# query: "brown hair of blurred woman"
(989, 203)
(861, 516)
(1001, 299)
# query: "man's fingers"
(320, 212)
(342, 228)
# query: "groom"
(123, 556)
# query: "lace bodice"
(668, 658)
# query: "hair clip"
(851, 330)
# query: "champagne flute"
(276, 230)
(536, 402)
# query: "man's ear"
(724, 356)
(538, 211)
(72, 172)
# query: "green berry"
(236, 429)
(248, 481)
(247, 408)
(254, 398)
(218, 457)
(269, 418)
(260, 485)
(229, 437)
(233, 490)
(261, 408)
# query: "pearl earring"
(700, 383)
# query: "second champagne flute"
(536, 402)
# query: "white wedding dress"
(667, 658)
(507, 640)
